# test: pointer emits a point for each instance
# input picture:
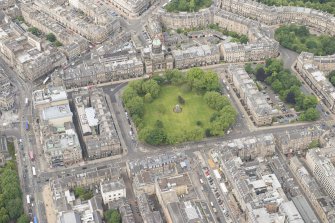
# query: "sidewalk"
(49, 205)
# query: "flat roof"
(55, 112)
(91, 116)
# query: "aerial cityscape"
(167, 111)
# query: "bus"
(46, 80)
(26, 125)
(34, 171)
(28, 199)
(223, 188)
(31, 155)
(27, 101)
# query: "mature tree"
(260, 74)
(115, 217)
(137, 86)
(277, 86)
(35, 31)
(310, 101)
(248, 68)
(88, 195)
(79, 191)
(202, 81)
(156, 136)
(332, 77)
(174, 77)
(14, 208)
(244, 39)
(128, 94)
(218, 126)
(194, 134)
(311, 44)
(51, 37)
(208, 132)
(2, 200)
(151, 86)
(302, 31)
(215, 100)
(136, 106)
(138, 121)
(143, 133)
(222, 120)
(181, 100)
(9, 184)
(332, 73)
(159, 79)
(187, 5)
(194, 77)
(4, 217)
(230, 113)
(83, 193)
(148, 98)
(214, 116)
(310, 114)
(112, 216)
(192, 5)
(211, 81)
(290, 98)
(299, 39)
(273, 65)
(23, 219)
(199, 123)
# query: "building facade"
(96, 124)
(254, 101)
(113, 190)
(317, 79)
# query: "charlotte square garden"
(176, 107)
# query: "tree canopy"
(323, 5)
(288, 88)
(200, 80)
(298, 38)
(331, 77)
(51, 37)
(35, 31)
(187, 5)
(23, 219)
(11, 207)
(82, 193)
(112, 216)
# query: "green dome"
(156, 42)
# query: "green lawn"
(195, 109)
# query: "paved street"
(288, 57)
(33, 185)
